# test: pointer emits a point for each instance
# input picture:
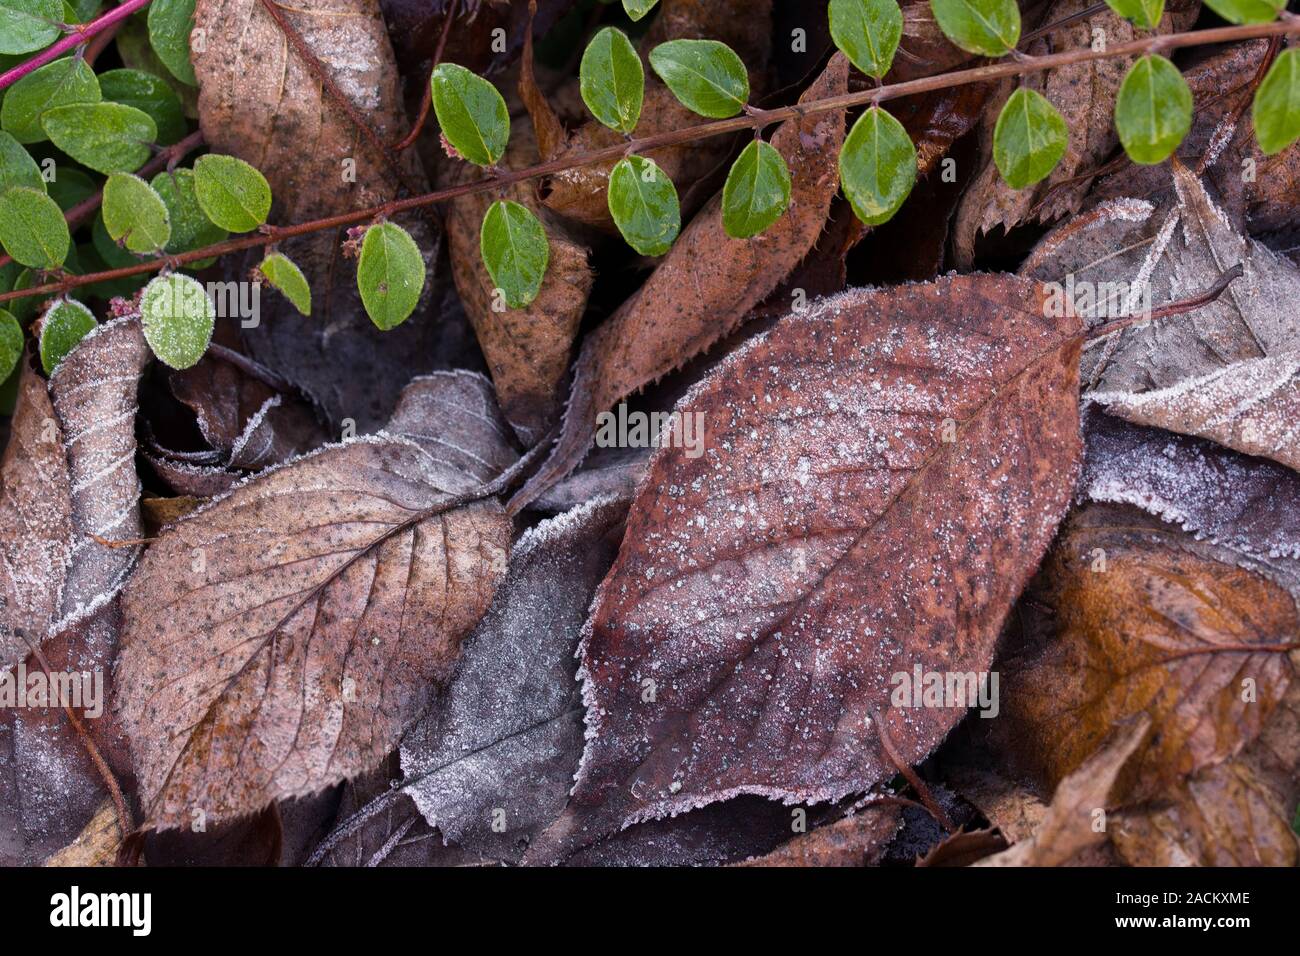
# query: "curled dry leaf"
(96, 845)
(857, 840)
(293, 628)
(828, 538)
(705, 286)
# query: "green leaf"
(107, 137)
(60, 83)
(32, 229)
(70, 186)
(1153, 111)
(1029, 139)
(11, 343)
(757, 191)
(29, 25)
(64, 324)
(285, 276)
(472, 114)
(134, 214)
(515, 250)
(867, 31)
(636, 9)
(612, 80)
(987, 27)
(1144, 14)
(170, 23)
(643, 203)
(191, 228)
(877, 166)
(1247, 11)
(390, 275)
(178, 317)
(1276, 110)
(231, 193)
(17, 168)
(149, 94)
(705, 75)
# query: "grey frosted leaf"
(454, 417)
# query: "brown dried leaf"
(857, 840)
(96, 845)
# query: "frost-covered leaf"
(32, 229)
(1153, 111)
(390, 274)
(1029, 139)
(64, 324)
(515, 251)
(612, 80)
(107, 137)
(986, 27)
(705, 75)
(231, 192)
(149, 94)
(867, 31)
(11, 343)
(471, 113)
(17, 168)
(757, 191)
(134, 214)
(643, 203)
(877, 166)
(28, 25)
(288, 279)
(178, 317)
(65, 81)
(1276, 108)
(170, 23)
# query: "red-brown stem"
(922, 791)
(688, 134)
(81, 33)
(427, 100)
(1180, 307)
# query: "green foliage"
(32, 229)
(64, 324)
(29, 25)
(1276, 110)
(986, 27)
(11, 343)
(149, 94)
(757, 191)
(177, 316)
(134, 214)
(70, 186)
(107, 137)
(636, 9)
(1029, 139)
(643, 204)
(705, 75)
(1143, 13)
(17, 168)
(191, 228)
(390, 275)
(170, 23)
(867, 31)
(1153, 111)
(60, 83)
(515, 250)
(233, 194)
(282, 274)
(472, 114)
(877, 166)
(612, 80)
(1247, 11)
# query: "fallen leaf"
(96, 845)
(857, 840)
(964, 848)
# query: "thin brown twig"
(922, 791)
(427, 101)
(1182, 306)
(1073, 18)
(677, 136)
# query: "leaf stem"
(81, 35)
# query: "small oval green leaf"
(472, 114)
(178, 316)
(1247, 11)
(283, 275)
(1029, 139)
(643, 204)
(135, 215)
(170, 23)
(986, 27)
(1153, 111)
(70, 186)
(191, 228)
(32, 229)
(867, 31)
(1144, 14)
(60, 83)
(17, 168)
(636, 9)
(515, 250)
(705, 75)
(149, 94)
(11, 343)
(757, 190)
(64, 324)
(107, 137)
(877, 166)
(232, 193)
(390, 275)
(1276, 110)
(29, 25)
(612, 80)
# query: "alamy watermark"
(1096, 300)
(624, 429)
(80, 689)
(959, 689)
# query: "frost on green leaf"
(134, 214)
(987, 27)
(32, 229)
(170, 23)
(877, 166)
(643, 204)
(11, 343)
(1276, 110)
(1153, 111)
(107, 137)
(60, 83)
(390, 275)
(867, 31)
(612, 80)
(17, 168)
(283, 275)
(757, 191)
(177, 315)
(1144, 14)
(705, 75)
(233, 194)
(515, 250)
(1029, 139)
(149, 94)
(64, 324)
(191, 228)
(29, 25)
(1247, 11)
(636, 9)
(471, 113)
